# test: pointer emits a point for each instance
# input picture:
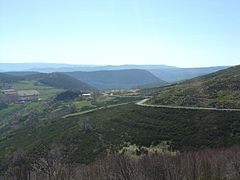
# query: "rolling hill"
(56, 80)
(60, 80)
(119, 79)
(219, 89)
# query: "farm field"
(44, 91)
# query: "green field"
(80, 105)
(45, 91)
(102, 101)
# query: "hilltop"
(219, 89)
(118, 79)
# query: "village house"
(9, 92)
(87, 96)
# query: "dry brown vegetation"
(208, 164)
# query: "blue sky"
(185, 33)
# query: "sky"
(184, 33)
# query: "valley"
(58, 110)
(119, 90)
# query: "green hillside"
(93, 135)
(118, 79)
(63, 81)
(220, 90)
(55, 80)
(5, 78)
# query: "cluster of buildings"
(13, 96)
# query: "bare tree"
(20, 167)
(53, 166)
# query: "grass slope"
(94, 134)
(118, 79)
(220, 89)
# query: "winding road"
(143, 103)
(95, 109)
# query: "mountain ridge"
(118, 79)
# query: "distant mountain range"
(163, 72)
(103, 68)
(118, 79)
(5, 67)
(220, 89)
(179, 74)
(51, 67)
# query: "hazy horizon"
(74, 64)
(183, 33)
